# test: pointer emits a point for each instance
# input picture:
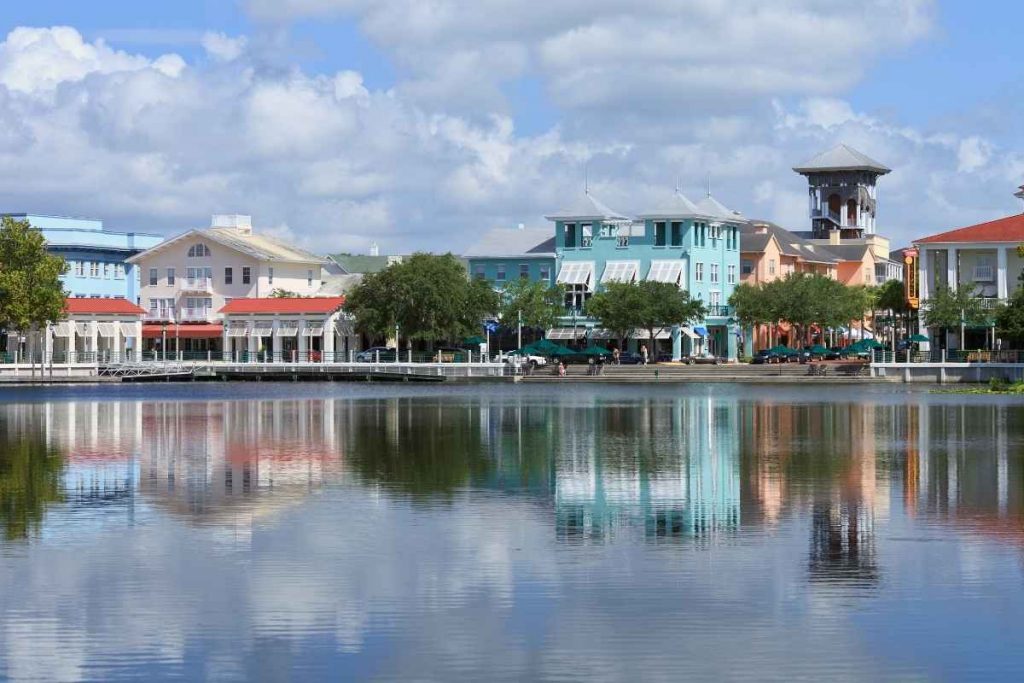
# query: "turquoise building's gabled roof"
(586, 207)
(709, 206)
(677, 205)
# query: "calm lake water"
(347, 532)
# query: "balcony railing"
(719, 311)
(196, 314)
(195, 284)
(160, 314)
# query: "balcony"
(196, 315)
(719, 311)
(198, 285)
(159, 315)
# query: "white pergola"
(311, 329)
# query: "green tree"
(948, 308)
(618, 306)
(427, 296)
(1010, 319)
(31, 292)
(663, 304)
(539, 304)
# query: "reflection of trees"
(30, 479)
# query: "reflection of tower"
(842, 544)
(841, 185)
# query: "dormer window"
(198, 250)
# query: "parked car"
(664, 357)
(704, 359)
(519, 359)
(766, 357)
(627, 358)
(370, 355)
(833, 354)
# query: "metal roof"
(678, 205)
(501, 242)
(789, 243)
(841, 158)
(584, 207)
(709, 206)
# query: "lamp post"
(163, 339)
(519, 328)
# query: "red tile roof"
(291, 305)
(185, 331)
(101, 306)
(1009, 229)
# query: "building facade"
(289, 329)
(695, 246)
(506, 254)
(186, 280)
(98, 265)
(842, 192)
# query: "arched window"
(851, 212)
(198, 250)
(835, 203)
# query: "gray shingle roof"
(586, 206)
(709, 206)
(676, 206)
(513, 242)
(790, 243)
(841, 158)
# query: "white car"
(517, 359)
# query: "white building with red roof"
(291, 329)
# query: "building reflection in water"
(695, 469)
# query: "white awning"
(287, 328)
(82, 329)
(62, 329)
(601, 333)
(659, 333)
(565, 333)
(129, 329)
(314, 329)
(344, 327)
(107, 329)
(238, 330)
(666, 271)
(577, 273)
(689, 333)
(263, 328)
(620, 271)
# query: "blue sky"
(451, 117)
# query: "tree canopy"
(948, 307)
(31, 292)
(1010, 319)
(539, 304)
(622, 307)
(427, 296)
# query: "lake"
(508, 532)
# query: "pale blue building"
(695, 246)
(96, 257)
(505, 254)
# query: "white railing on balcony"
(984, 274)
(161, 314)
(195, 284)
(196, 314)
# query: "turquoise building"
(95, 256)
(505, 254)
(695, 246)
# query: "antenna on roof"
(586, 177)
(709, 184)
(1019, 194)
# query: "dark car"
(375, 353)
(704, 360)
(630, 358)
(833, 354)
(766, 357)
(664, 357)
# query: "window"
(607, 230)
(153, 304)
(246, 275)
(106, 270)
(867, 276)
(94, 269)
(270, 274)
(570, 235)
(715, 299)
(170, 276)
(524, 271)
(698, 274)
(118, 271)
(746, 267)
(588, 234)
(545, 273)
(152, 277)
(198, 250)
(771, 266)
(677, 234)
(714, 272)
(228, 276)
(500, 276)
(80, 268)
(309, 278)
(731, 275)
(479, 272)
(659, 234)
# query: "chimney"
(834, 237)
(233, 221)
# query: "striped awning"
(689, 332)
(344, 327)
(82, 329)
(238, 330)
(287, 328)
(63, 329)
(666, 271)
(129, 329)
(107, 329)
(263, 328)
(620, 271)
(566, 333)
(313, 329)
(577, 273)
(659, 333)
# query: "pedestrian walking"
(643, 353)
(561, 369)
(615, 355)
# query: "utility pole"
(519, 327)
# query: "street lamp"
(163, 339)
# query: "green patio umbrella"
(781, 348)
(473, 341)
(918, 338)
(561, 352)
(819, 350)
(545, 345)
(872, 344)
(595, 350)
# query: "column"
(730, 342)
(1002, 290)
(72, 342)
(137, 342)
(328, 344)
(303, 342)
(93, 340)
(225, 343)
(677, 343)
(952, 267)
(47, 343)
(253, 340)
(275, 343)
